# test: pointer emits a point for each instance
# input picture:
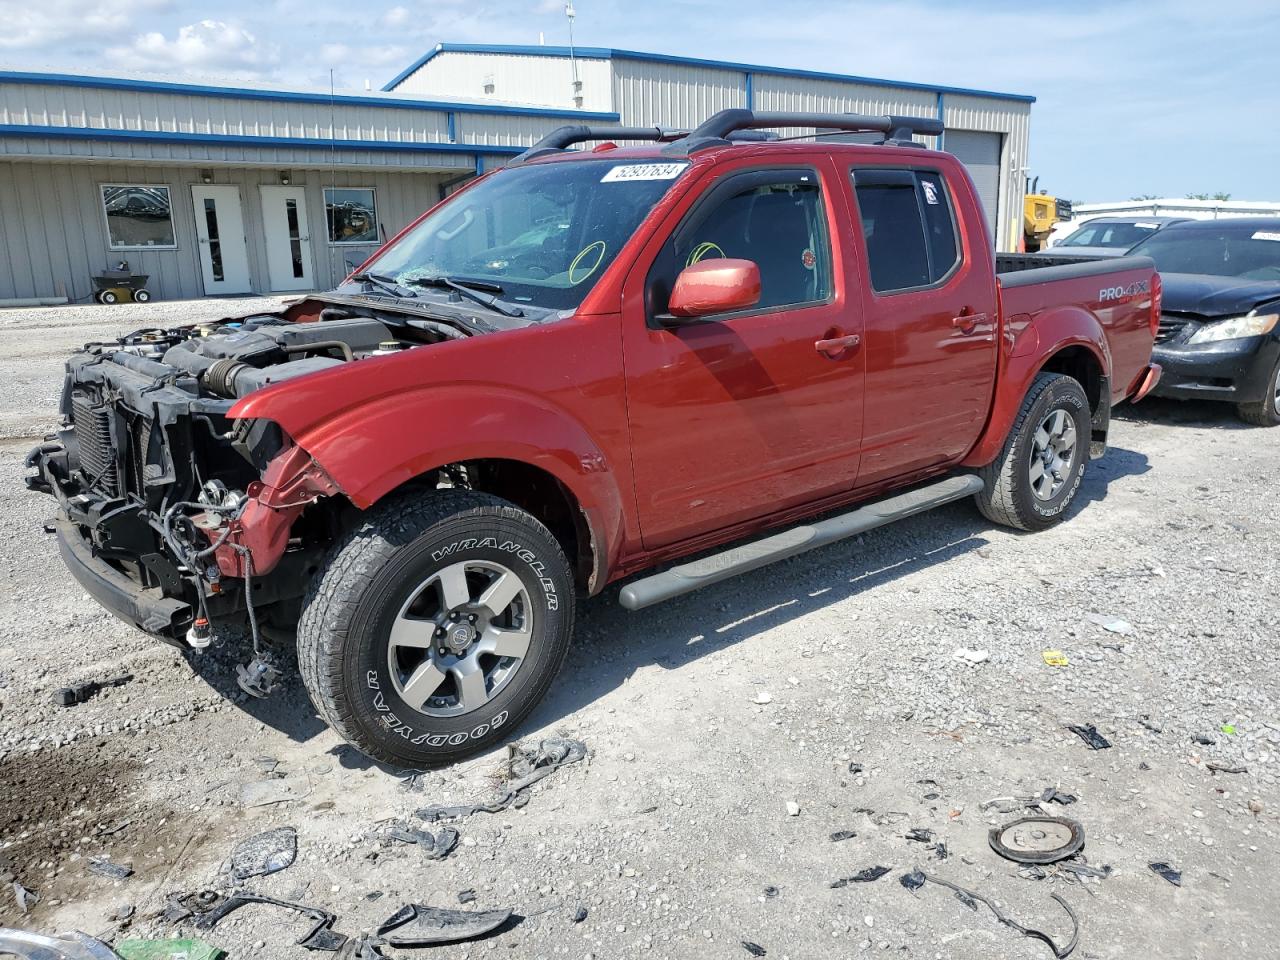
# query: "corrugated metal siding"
(656, 94)
(544, 81)
(53, 231)
(195, 153)
(507, 131)
(64, 106)
(1013, 119)
(807, 95)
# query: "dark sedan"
(1220, 319)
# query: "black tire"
(344, 633)
(1266, 412)
(1009, 498)
(141, 296)
(108, 297)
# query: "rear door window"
(774, 218)
(908, 225)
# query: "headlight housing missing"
(1252, 325)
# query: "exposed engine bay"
(180, 515)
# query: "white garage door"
(980, 152)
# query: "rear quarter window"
(908, 226)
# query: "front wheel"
(436, 626)
(1035, 478)
(1265, 412)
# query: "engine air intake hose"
(220, 377)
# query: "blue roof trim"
(241, 140)
(608, 53)
(289, 96)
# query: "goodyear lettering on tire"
(401, 729)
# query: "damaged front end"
(173, 515)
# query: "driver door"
(739, 415)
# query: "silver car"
(1108, 236)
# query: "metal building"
(223, 190)
(988, 131)
(213, 190)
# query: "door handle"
(837, 345)
(968, 322)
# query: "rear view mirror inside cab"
(713, 286)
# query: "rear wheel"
(141, 296)
(1035, 478)
(108, 297)
(436, 626)
(1266, 412)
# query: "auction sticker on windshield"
(644, 171)
(1265, 235)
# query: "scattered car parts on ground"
(264, 853)
(82, 692)
(67, 946)
(1037, 840)
(416, 925)
(1090, 735)
(1168, 872)
(970, 898)
(526, 767)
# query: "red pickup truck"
(588, 364)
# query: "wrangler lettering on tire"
(435, 626)
(1033, 481)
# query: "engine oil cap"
(1037, 839)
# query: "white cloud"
(397, 17)
(32, 26)
(209, 45)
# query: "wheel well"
(533, 490)
(1082, 365)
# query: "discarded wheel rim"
(1037, 839)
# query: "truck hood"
(1210, 296)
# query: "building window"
(351, 214)
(138, 216)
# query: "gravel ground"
(731, 733)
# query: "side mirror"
(715, 286)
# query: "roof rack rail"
(572, 133)
(720, 128)
(566, 136)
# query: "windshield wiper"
(465, 288)
(387, 285)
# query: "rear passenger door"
(930, 318)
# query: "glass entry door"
(224, 258)
(284, 221)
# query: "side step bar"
(751, 556)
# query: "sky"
(1134, 97)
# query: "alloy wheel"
(460, 638)
(1053, 451)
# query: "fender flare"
(1026, 355)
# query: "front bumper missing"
(118, 556)
(146, 608)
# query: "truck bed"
(1020, 262)
(1116, 291)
